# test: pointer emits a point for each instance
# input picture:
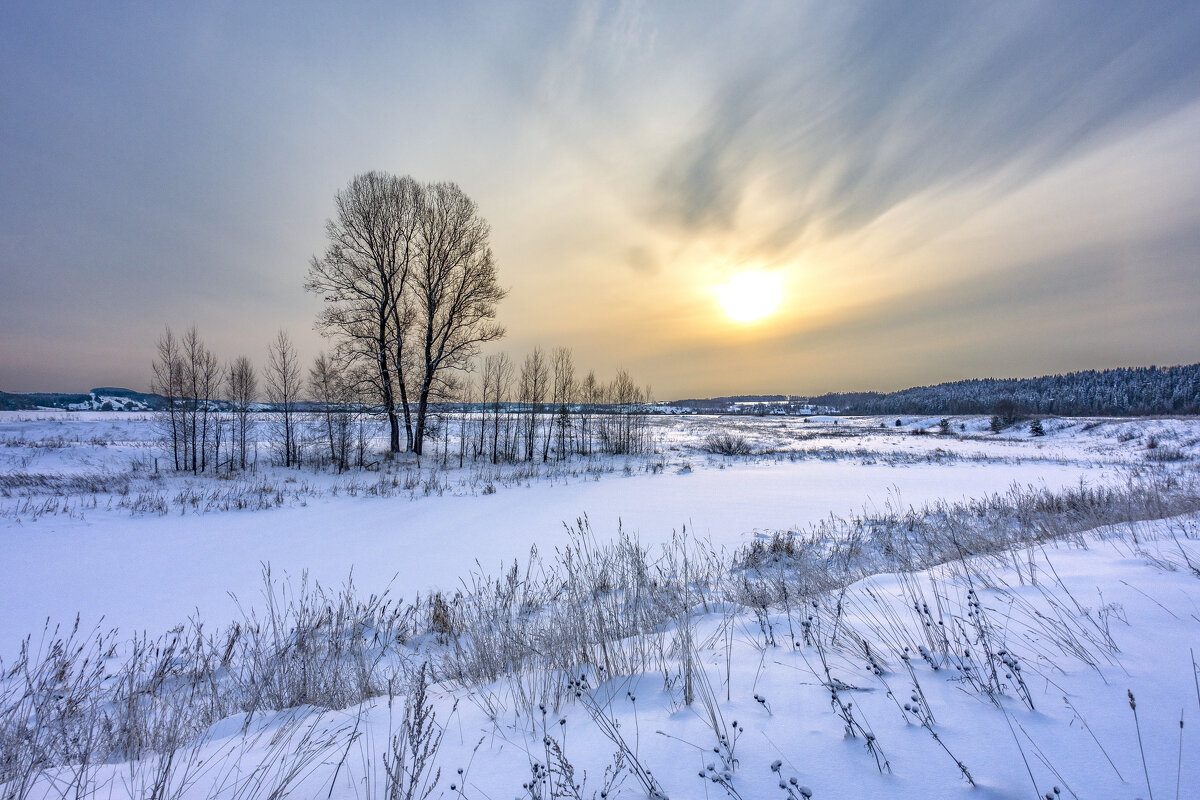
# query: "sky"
(938, 190)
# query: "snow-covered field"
(90, 528)
(151, 569)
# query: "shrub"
(441, 616)
(727, 444)
(1163, 455)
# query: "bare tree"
(200, 381)
(362, 277)
(466, 402)
(490, 401)
(497, 384)
(532, 395)
(168, 382)
(241, 387)
(187, 375)
(283, 390)
(563, 398)
(333, 396)
(591, 395)
(454, 292)
(487, 374)
(628, 430)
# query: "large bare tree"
(454, 292)
(362, 276)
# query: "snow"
(149, 572)
(1152, 659)
(153, 572)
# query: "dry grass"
(591, 611)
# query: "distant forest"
(1133, 391)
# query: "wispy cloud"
(948, 188)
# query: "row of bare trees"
(213, 415)
(542, 411)
(409, 284)
(215, 418)
(186, 372)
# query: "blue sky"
(945, 190)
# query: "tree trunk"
(422, 407)
(408, 426)
(385, 381)
(394, 431)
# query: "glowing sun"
(750, 296)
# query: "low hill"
(105, 398)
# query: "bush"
(1163, 455)
(441, 616)
(727, 444)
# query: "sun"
(750, 296)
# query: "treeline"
(211, 419)
(1125, 391)
(542, 411)
(730, 400)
